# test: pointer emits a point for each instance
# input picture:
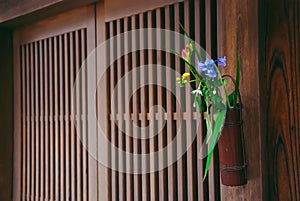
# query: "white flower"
(197, 92)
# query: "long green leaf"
(219, 118)
(208, 126)
(237, 81)
(207, 164)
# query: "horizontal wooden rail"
(157, 116)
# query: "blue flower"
(208, 68)
(211, 73)
(221, 61)
(202, 67)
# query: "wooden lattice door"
(129, 49)
(50, 161)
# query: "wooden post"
(238, 31)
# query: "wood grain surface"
(282, 98)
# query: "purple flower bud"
(183, 54)
(221, 61)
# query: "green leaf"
(231, 97)
(207, 165)
(219, 118)
(208, 126)
(199, 103)
(237, 81)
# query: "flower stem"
(225, 91)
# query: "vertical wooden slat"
(84, 117)
(113, 106)
(120, 109)
(157, 43)
(128, 93)
(51, 90)
(170, 129)
(162, 184)
(208, 26)
(91, 96)
(209, 51)
(103, 107)
(73, 116)
(32, 117)
(199, 128)
(37, 120)
(103, 174)
(24, 121)
(28, 116)
(152, 132)
(136, 142)
(67, 114)
(189, 134)
(108, 113)
(143, 105)
(42, 120)
(47, 118)
(56, 118)
(78, 119)
(179, 124)
(61, 118)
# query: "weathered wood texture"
(238, 31)
(282, 76)
(21, 12)
(266, 36)
(15, 8)
(6, 114)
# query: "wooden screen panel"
(183, 179)
(51, 149)
(52, 156)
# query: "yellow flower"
(185, 76)
(191, 47)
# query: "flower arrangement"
(211, 94)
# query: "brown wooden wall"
(266, 35)
(6, 114)
(282, 77)
(239, 32)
